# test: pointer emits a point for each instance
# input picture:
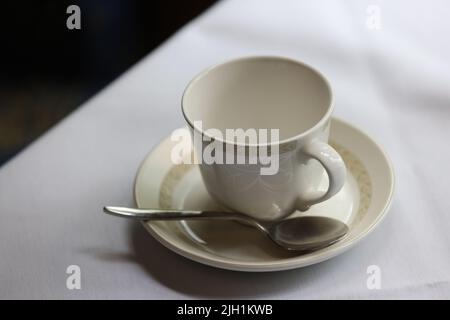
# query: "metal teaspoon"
(304, 233)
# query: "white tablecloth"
(393, 81)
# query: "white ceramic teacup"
(265, 93)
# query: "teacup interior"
(258, 93)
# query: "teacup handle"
(333, 165)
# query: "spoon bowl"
(306, 233)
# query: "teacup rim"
(290, 140)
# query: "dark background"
(48, 70)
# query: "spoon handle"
(160, 214)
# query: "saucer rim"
(285, 263)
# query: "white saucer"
(362, 203)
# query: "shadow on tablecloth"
(197, 280)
